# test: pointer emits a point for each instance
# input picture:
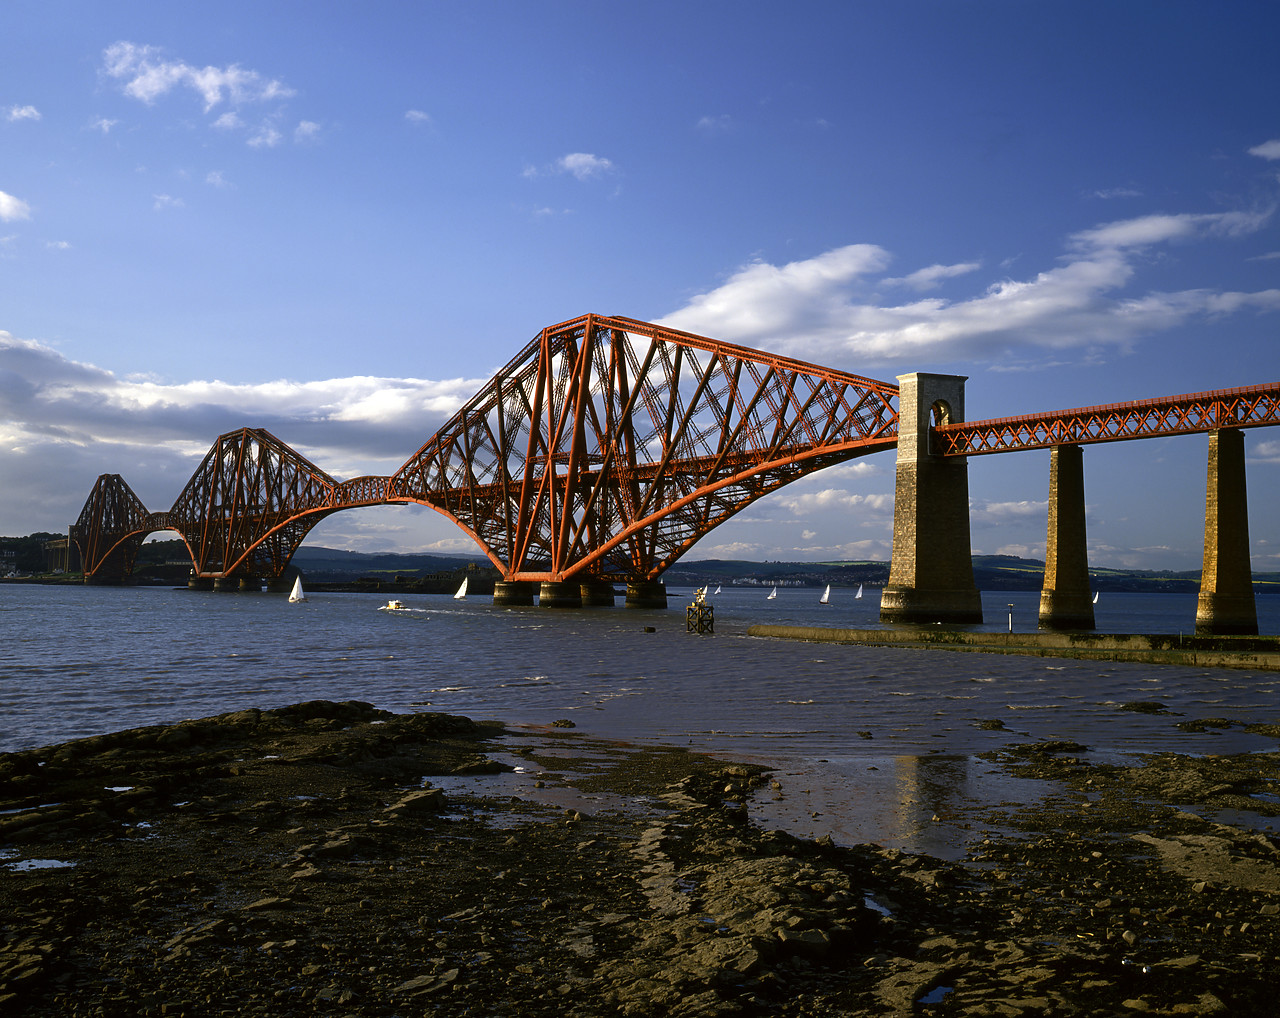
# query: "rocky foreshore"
(303, 861)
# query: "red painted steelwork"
(606, 448)
(111, 528)
(1246, 407)
(609, 446)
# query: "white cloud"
(1117, 192)
(417, 117)
(22, 113)
(166, 201)
(715, 125)
(836, 498)
(12, 208)
(104, 125)
(307, 130)
(584, 165)
(57, 245)
(214, 178)
(932, 277)
(229, 121)
(146, 75)
(1267, 150)
(266, 136)
(998, 514)
(816, 308)
(1156, 229)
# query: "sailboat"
(461, 595)
(772, 594)
(717, 588)
(859, 593)
(826, 596)
(1095, 596)
(296, 594)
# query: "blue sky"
(337, 220)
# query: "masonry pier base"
(646, 594)
(514, 593)
(1226, 606)
(596, 593)
(558, 594)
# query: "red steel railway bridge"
(609, 446)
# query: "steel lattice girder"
(250, 503)
(1246, 407)
(608, 446)
(111, 527)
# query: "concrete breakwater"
(1258, 652)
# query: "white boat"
(296, 593)
(1095, 596)
(859, 593)
(717, 588)
(826, 596)
(772, 594)
(461, 595)
(392, 606)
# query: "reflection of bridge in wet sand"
(608, 447)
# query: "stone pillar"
(596, 593)
(931, 575)
(197, 582)
(646, 594)
(1066, 602)
(1226, 605)
(514, 593)
(554, 594)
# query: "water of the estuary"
(872, 743)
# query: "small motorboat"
(392, 606)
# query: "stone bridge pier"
(931, 573)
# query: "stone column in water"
(1226, 605)
(931, 575)
(1066, 601)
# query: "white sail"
(859, 593)
(826, 596)
(461, 595)
(717, 588)
(772, 594)
(1095, 596)
(296, 594)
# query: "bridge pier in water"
(931, 573)
(596, 593)
(646, 594)
(514, 593)
(1226, 606)
(1066, 601)
(558, 594)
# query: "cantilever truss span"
(609, 446)
(606, 448)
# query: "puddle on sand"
(923, 804)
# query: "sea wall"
(1257, 652)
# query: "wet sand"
(335, 859)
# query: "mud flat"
(1256, 652)
(306, 861)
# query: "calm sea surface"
(862, 729)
